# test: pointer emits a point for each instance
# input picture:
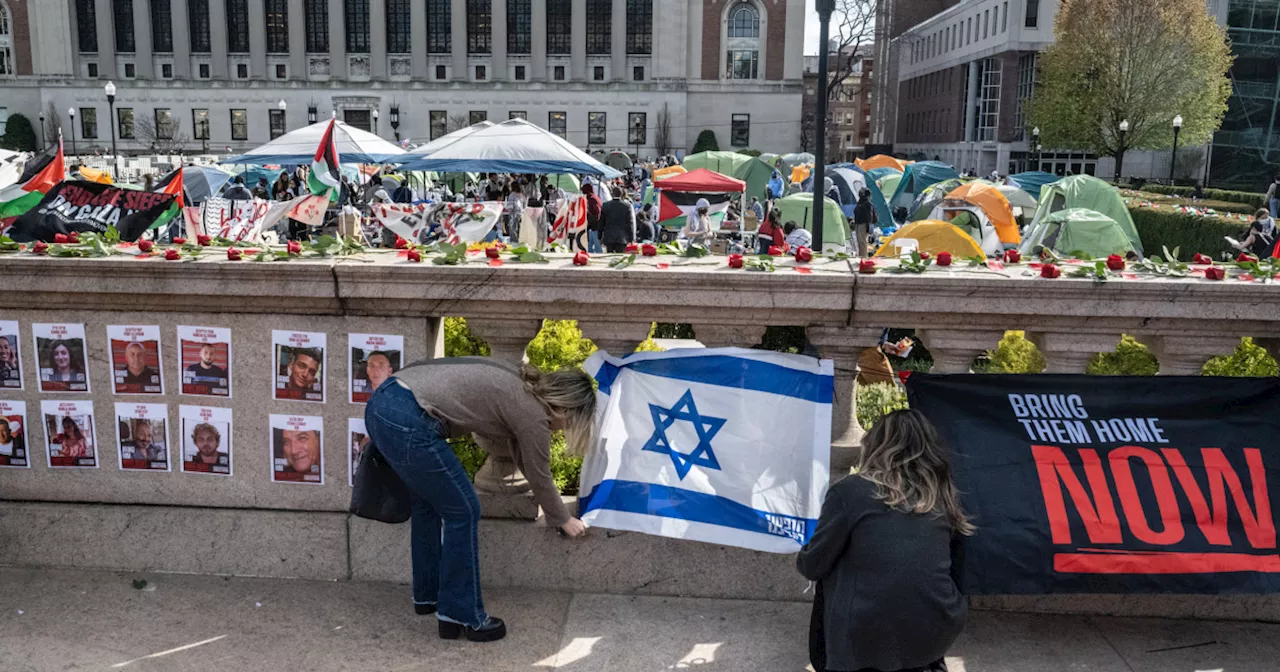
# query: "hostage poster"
(1089, 484)
(90, 207)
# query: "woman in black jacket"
(881, 554)
(864, 216)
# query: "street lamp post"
(42, 136)
(395, 120)
(1035, 141)
(825, 8)
(312, 113)
(1124, 128)
(284, 119)
(72, 111)
(635, 137)
(110, 89)
(1173, 159)
(375, 121)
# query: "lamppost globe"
(375, 121)
(1173, 158)
(110, 88)
(1124, 126)
(1177, 121)
(282, 105)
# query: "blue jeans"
(446, 567)
(593, 242)
(1275, 207)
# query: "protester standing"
(594, 206)
(644, 224)
(864, 217)
(619, 223)
(237, 192)
(697, 229)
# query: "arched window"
(744, 21)
(742, 51)
(6, 41)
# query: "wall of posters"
(298, 365)
(205, 439)
(297, 449)
(10, 356)
(371, 359)
(13, 434)
(61, 354)
(69, 435)
(135, 359)
(357, 440)
(204, 361)
(142, 436)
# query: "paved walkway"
(69, 620)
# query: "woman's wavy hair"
(570, 394)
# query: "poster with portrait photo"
(371, 359)
(135, 359)
(299, 371)
(142, 436)
(13, 434)
(69, 436)
(357, 441)
(62, 357)
(204, 361)
(297, 449)
(205, 439)
(10, 357)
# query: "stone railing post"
(616, 338)
(843, 346)
(1070, 352)
(507, 339)
(954, 350)
(729, 336)
(1186, 355)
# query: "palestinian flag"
(325, 177)
(42, 173)
(171, 184)
(674, 208)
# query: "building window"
(239, 125)
(481, 71)
(1026, 90)
(276, 117)
(740, 131)
(519, 26)
(317, 24)
(988, 98)
(517, 115)
(166, 71)
(164, 123)
(87, 26)
(242, 70)
(439, 27)
(597, 73)
(439, 123)
(161, 27)
(198, 25)
(282, 71)
(558, 73)
(124, 25)
(519, 73)
(399, 40)
(93, 70)
(479, 26)
(558, 123)
(742, 63)
(742, 58)
(277, 15)
(599, 27)
(637, 128)
(130, 71)
(89, 123)
(238, 26)
(744, 21)
(200, 124)
(1033, 14)
(1004, 18)
(204, 71)
(356, 14)
(986, 20)
(637, 73)
(640, 27)
(124, 127)
(560, 27)
(441, 72)
(477, 116)
(596, 128)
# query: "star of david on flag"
(705, 426)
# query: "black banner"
(1084, 484)
(90, 207)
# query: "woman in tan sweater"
(411, 416)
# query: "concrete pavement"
(87, 620)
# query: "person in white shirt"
(796, 236)
(698, 228)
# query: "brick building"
(848, 112)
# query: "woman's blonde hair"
(905, 459)
(569, 394)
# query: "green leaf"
(7, 244)
(532, 257)
(623, 262)
(112, 235)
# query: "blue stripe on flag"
(698, 507)
(727, 371)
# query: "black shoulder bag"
(378, 493)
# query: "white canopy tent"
(299, 147)
(513, 146)
(11, 164)
(444, 141)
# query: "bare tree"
(165, 138)
(662, 134)
(853, 30)
(52, 122)
(456, 122)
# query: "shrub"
(1253, 199)
(879, 399)
(749, 152)
(18, 134)
(1191, 234)
(706, 142)
(1249, 359)
(671, 330)
(784, 339)
(460, 342)
(1130, 358)
(1015, 354)
(559, 345)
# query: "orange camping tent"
(986, 196)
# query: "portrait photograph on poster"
(69, 434)
(297, 449)
(62, 357)
(135, 359)
(142, 436)
(299, 365)
(206, 439)
(371, 359)
(204, 361)
(10, 357)
(357, 441)
(13, 434)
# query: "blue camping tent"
(849, 179)
(1031, 182)
(918, 176)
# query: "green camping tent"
(725, 163)
(756, 174)
(565, 181)
(798, 208)
(1077, 230)
(928, 199)
(1091, 193)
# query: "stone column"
(418, 44)
(181, 41)
(106, 40)
(729, 336)
(616, 338)
(507, 338)
(1186, 355)
(458, 38)
(218, 39)
(954, 350)
(1070, 352)
(498, 65)
(337, 40)
(618, 42)
(843, 346)
(578, 53)
(144, 63)
(257, 39)
(538, 55)
(378, 41)
(297, 40)
(435, 337)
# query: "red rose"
(581, 258)
(1050, 271)
(649, 250)
(233, 254)
(1245, 258)
(1012, 256)
(491, 252)
(294, 247)
(924, 256)
(145, 245)
(735, 261)
(60, 238)
(632, 248)
(172, 255)
(74, 236)
(1115, 262)
(867, 266)
(1215, 272)
(414, 255)
(1201, 259)
(401, 243)
(203, 240)
(944, 258)
(804, 254)
(40, 247)
(179, 241)
(775, 251)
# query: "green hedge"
(1191, 234)
(1247, 197)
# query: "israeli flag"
(727, 446)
